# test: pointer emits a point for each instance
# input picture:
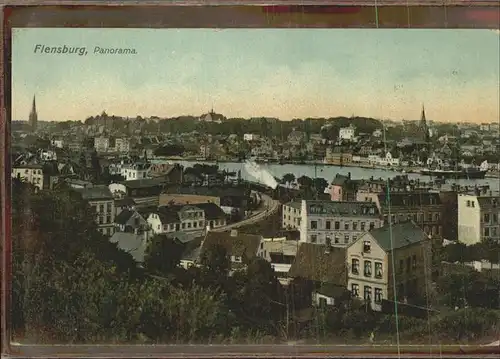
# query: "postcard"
(255, 186)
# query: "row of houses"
(362, 269)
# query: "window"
(346, 226)
(101, 208)
(189, 224)
(108, 218)
(486, 232)
(494, 218)
(486, 218)
(328, 225)
(237, 259)
(314, 224)
(108, 207)
(436, 217)
(184, 226)
(355, 289)
(322, 302)
(378, 295)
(372, 225)
(355, 266)
(366, 247)
(346, 238)
(468, 203)
(314, 238)
(337, 225)
(354, 238)
(368, 293)
(354, 226)
(472, 204)
(337, 239)
(401, 266)
(429, 217)
(414, 261)
(378, 270)
(362, 226)
(408, 264)
(368, 269)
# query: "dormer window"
(366, 247)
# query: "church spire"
(33, 117)
(33, 107)
(422, 116)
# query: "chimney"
(234, 233)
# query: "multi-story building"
(29, 173)
(478, 217)
(291, 215)
(102, 201)
(424, 208)
(371, 273)
(337, 223)
(334, 156)
(101, 144)
(122, 145)
(343, 188)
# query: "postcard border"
(452, 14)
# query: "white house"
(30, 173)
(478, 217)
(336, 222)
(135, 171)
(347, 133)
(48, 155)
(250, 137)
(57, 142)
(389, 160)
(191, 219)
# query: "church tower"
(33, 119)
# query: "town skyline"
(285, 74)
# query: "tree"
(215, 265)
(305, 182)
(170, 150)
(288, 178)
(163, 255)
(320, 184)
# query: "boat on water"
(459, 173)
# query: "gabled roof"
(212, 211)
(314, 262)
(130, 243)
(403, 234)
(124, 216)
(239, 244)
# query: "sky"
(283, 73)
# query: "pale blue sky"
(248, 72)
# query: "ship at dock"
(460, 172)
